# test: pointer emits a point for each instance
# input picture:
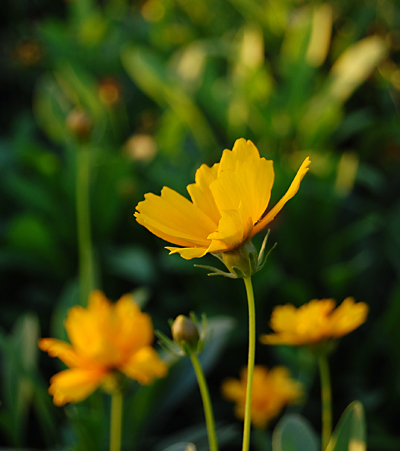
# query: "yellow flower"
(104, 337)
(229, 204)
(272, 390)
(314, 322)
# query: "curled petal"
(64, 351)
(188, 252)
(294, 187)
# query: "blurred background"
(103, 101)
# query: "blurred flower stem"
(86, 272)
(116, 421)
(250, 365)
(205, 395)
(326, 399)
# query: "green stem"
(326, 399)
(205, 395)
(116, 421)
(250, 364)
(86, 272)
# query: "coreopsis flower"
(229, 205)
(272, 390)
(105, 338)
(314, 322)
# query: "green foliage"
(293, 433)
(350, 433)
(166, 86)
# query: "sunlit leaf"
(350, 433)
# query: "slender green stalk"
(86, 272)
(116, 421)
(205, 395)
(250, 364)
(326, 399)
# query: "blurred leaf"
(338, 276)
(150, 74)
(323, 113)
(51, 108)
(349, 434)
(88, 423)
(18, 389)
(79, 86)
(181, 447)
(22, 388)
(251, 10)
(133, 263)
(320, 35)
(110, 172)
(294, 433)
(30, 233)
(32, 195)
(354, 66)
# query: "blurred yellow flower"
(272, 390)
(229, 204)
(104, 338)
(314, 322)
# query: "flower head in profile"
(105, 338)
(272, 391)
(314, 322)
(228, 207)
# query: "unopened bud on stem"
(185, 334)
(79, 123)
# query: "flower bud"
(79, 123)
(185, 334)
(242, 261)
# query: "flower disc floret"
(228, 204)
(104, 338)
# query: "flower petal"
(75, 385)
(242, 151)
(175, 217)
(188, 252)
(348, 316)
(233, 229)
(294, 187)
(256, 178)
(64, 351)
(200, 192)
(144, 366)
(130, 329)
(85, 327)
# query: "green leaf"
(132, 263)
(293, 433)
(350, 432)
(22, 386)
(148, 71)
(51, 108)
